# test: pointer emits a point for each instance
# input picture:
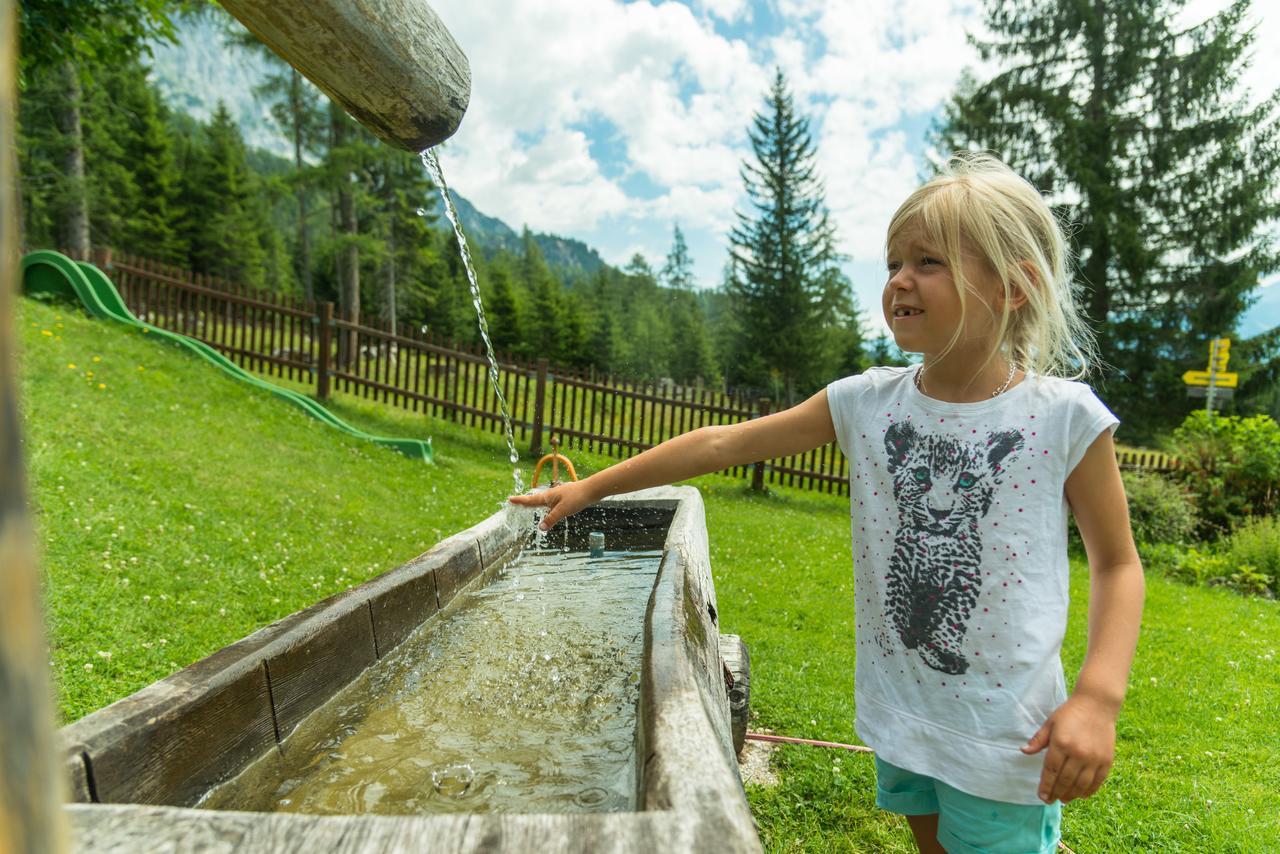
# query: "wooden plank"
(171, 742)
(458, 561)
(320, 656)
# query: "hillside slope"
(157, 482)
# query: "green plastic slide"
(54, 274)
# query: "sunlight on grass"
(179, 511)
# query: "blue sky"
(612, 121)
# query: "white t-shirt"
(960, 563)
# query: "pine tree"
(296, 107)
(506, 328)
(149, 151)
(678, 271)
(1139, 133)
(218, 195)
(784, 249)
(545, 310)
(58, 38)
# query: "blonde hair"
(979, 205)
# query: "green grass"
(233, 501)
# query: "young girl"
(961, 474)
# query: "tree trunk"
(30, 794)
(73, 225)
(304, 237)
(391, 280)
(351, 259)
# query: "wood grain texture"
(458, 562)
(171, 746)
(317, 659)
(29, 773)
(738, 659)
(112, 829)
(391, 64)
(400, 602)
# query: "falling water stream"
(432, 163)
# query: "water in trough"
(523, 699)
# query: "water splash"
(432, 163)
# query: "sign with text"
(1216, 373)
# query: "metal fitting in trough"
(391, 64)
(208, 734)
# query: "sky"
(613, 121)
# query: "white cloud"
(728, 11)
(677, 95)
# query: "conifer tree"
(296, 106)
(1139, 132)
(505, 323)
(149, 151)
(543, 326)
(784, 247)
(217, 199)
(58, 38)
(678, 271)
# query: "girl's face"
(922, 306)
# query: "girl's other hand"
(560, 501)
(1081, 737)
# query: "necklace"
(995, 393)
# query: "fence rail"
(415, 370)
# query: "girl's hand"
(1081, 737)
(560, 501)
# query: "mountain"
(202, 69)
(491, 234)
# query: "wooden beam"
(391, 64)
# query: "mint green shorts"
(968, 824)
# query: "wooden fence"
(306, 342)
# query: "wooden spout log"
(391, 64)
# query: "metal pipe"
(391, 64)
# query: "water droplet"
(453, 781)
(591, 797)
(422, 211)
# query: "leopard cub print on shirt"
(943, 487)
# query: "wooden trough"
(139, 765)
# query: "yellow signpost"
(1216, 382)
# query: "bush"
(1160, 510)
(1231, 465)
(1256, 546)
(1248, 560)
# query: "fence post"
(757, 472)
(539, 404)
(322, 362)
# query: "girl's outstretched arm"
(1081, 733)
(707, 449)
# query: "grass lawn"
(178, 512)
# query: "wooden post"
(30, 790)
(539, 405)
(322, 361)
(757, 472)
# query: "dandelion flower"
(46, 332)
(97, 358)
(102, 385)
(71, 366)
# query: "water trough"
(142, 766)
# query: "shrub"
(1231, 465)
(1248, 560)
(1255, 546)
(1160, 510)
